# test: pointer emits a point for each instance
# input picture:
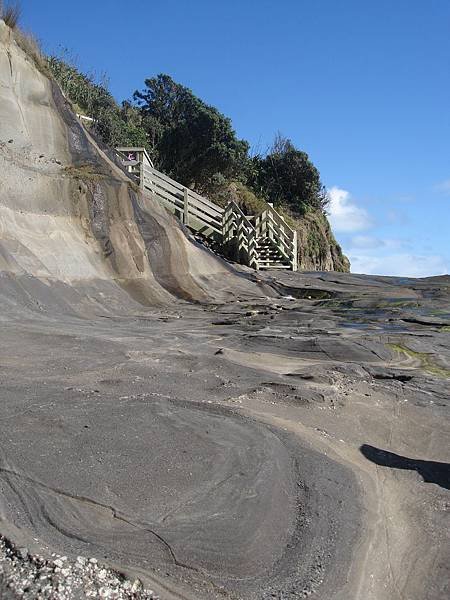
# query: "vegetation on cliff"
(191, 141)
(10, 14)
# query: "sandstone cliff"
(318, 248)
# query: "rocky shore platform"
(288, 446)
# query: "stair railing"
(239, 236)
(190, 208)
(229, 227)
(134, 159)
(271, 224)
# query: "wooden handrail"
(270, 224)
(185, 201)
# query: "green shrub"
(286, 176)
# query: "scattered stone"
(31, 577)
(59, 562)
(137, 585)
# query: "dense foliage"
(286, 176)
(192, 141)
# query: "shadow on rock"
(430, 470)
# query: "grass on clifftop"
(10, 14)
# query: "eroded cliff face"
(318, 248)
(69, 218)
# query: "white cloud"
(403, 265)
(370, 242)
(366, 241)
(443, 186)
(344, 214)
(377, 255)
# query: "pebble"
(29, 577)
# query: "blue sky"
(363, 86)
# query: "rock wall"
(318, 248)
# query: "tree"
(192, 141)
(286, 176)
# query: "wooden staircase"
(264, 241)
(269, 255)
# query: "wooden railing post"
(295, 251)
(186, 207)
(141, 175)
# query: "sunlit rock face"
(69, 216)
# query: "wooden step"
(260, 266)
(272, 261)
